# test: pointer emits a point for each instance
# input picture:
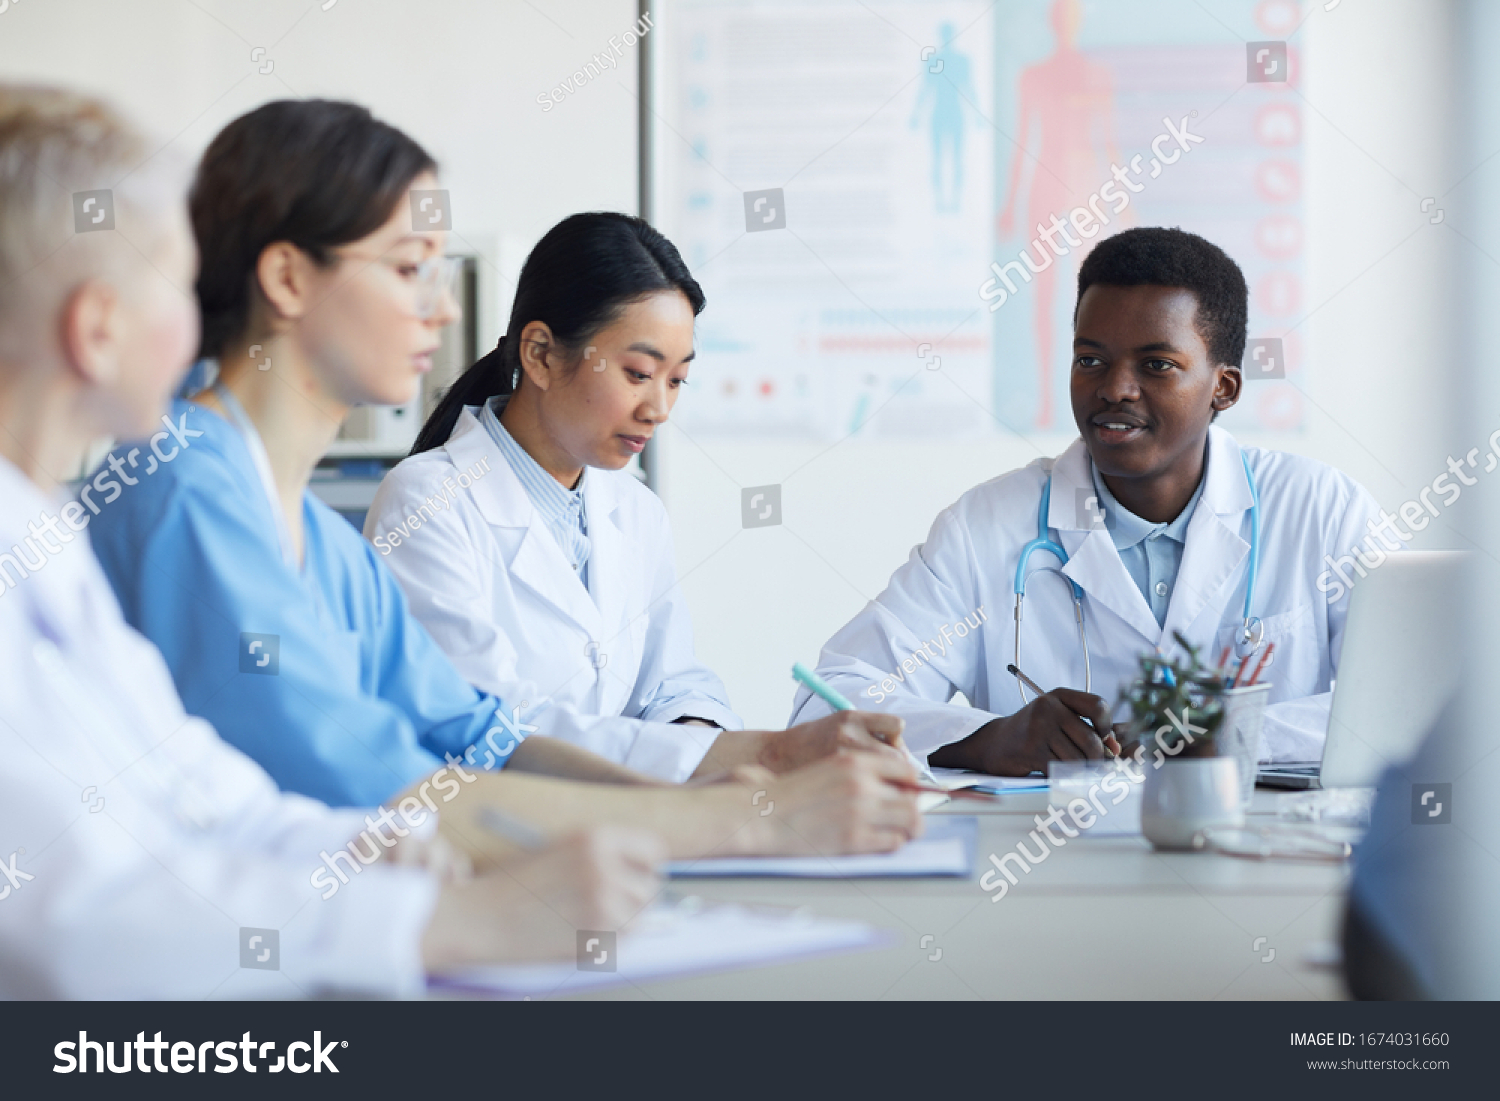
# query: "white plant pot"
(1186, 795)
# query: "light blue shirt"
(346, 697)
(1151, 552)
(562, 509)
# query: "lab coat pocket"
(1294, 667)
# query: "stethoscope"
(1252, 631)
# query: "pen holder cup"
(1239, 733)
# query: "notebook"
(946, 848)
(672, 941)
(954, 779)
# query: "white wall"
(461, 76)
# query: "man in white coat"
(1153, 509)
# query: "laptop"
(1402, 655)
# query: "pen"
(820, 688)
(518, 833)
(1036, 688)
(833, 698)
(1240, 672)
(1264, 658)
(1027, 681)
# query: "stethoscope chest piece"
(1250, 636)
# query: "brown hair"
(315, 173)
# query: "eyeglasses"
(430, 279)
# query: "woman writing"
(278, 622)
(550, 578)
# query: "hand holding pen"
(1105, 732)
(1061, 725)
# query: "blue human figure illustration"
(948, 83)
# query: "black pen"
(1036, 688)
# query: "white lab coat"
(608, 667)
(956, 595)
(136, 842)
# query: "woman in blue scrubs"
(279, 622)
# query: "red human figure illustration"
(1070, 100)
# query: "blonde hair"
(53, 144)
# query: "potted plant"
(1176, 711)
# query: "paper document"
(953, 779)
(945, 849)
(671, 942)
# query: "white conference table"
(1100, 918)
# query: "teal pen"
(820, 688)
(831, 696)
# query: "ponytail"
(490, 376)
(578, 280)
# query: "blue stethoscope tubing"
(1252, 630)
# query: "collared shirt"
(562, 509)
(105, 780)
(1151, 552)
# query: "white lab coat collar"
(1212, 558)
(539, 562)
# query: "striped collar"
(562, 509)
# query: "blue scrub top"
(346, 698)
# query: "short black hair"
(1156, 256)
(317, 173)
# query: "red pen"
(1264, 658)
(1240, 672)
